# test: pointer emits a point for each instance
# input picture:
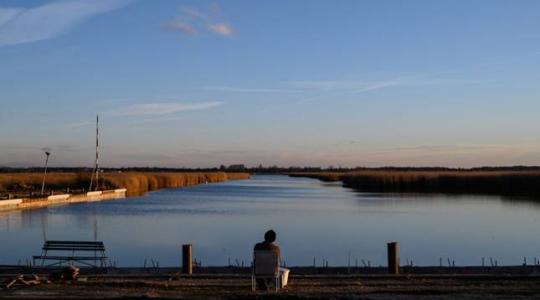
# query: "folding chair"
(265, 266)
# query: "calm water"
(312, 219)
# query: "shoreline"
(129, 184)
(455, 182)
(61, 199)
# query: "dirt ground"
(300, 287)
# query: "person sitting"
(269, 245)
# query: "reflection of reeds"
(515, 183)
(135, 182)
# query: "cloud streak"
(160, 109)
(180, 26)
(248, 90)
(19, 26)
(444, 148)
(193, 21)
(78, 124)
(7, 14)
(55, 148)
(349, 85)
(359, 86)
(221, 29)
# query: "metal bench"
(75, 247)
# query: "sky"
(302, 83)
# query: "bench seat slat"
(78, 244)
(74, 242)
(77, 247)
(70, 257)
(74, 249)
(73, 245)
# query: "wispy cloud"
(324, 87)
(50, 20)
(360, 86)
(180, 26)
(221, 29)
(78, 124)
(7, 14)
(194, 13)
(162, 108)
(350, 85)
(193, 21)
(444, 148)
(55, 148)
(248, 90)
(422, 148)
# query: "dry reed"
(509, 183)
(135, 182)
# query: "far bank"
(502, 183)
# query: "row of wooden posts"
(393, 258)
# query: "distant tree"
(239, 167)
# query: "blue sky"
(204, 83)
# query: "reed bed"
(506, 183)
(31, 182)
(134, 182)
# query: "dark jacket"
(268, 246)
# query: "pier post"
(187, 259)
(393, 258)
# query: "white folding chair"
(265, 266)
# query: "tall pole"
(96, 167)
(47, 153)
(97, 152)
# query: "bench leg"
(44, 253)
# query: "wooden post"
(393, 259)
(187, 267)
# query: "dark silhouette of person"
(269, 244)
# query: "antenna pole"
(97, 152)
(45, 172)
(96, 167)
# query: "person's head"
(270, 236)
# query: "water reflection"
(313, 220)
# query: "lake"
(313, 220)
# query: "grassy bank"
(134, 182)
(506, 183)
